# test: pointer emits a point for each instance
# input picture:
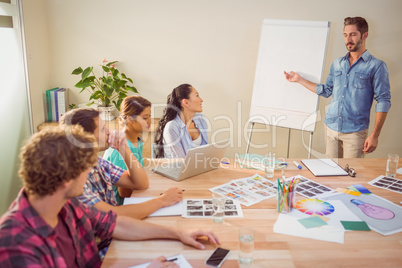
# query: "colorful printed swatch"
(346, 191)
(313, 221)
(355, 225)
(361, 189)
(314, 206)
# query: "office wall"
(38, 54)
(213, 45)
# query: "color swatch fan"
(314, 206)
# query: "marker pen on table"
(224, 162)
(297, 165)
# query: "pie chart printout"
(314, 206)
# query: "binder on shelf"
(50, 107)
(56, 105)
(62, 102)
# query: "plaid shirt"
(100, 181)
(26, 240)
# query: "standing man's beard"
(354, 47)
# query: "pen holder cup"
(285, 201)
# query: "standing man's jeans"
(345, 145)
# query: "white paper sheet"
(174, 210)
(181, 261)
(287, 224)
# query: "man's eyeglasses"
(351, 171)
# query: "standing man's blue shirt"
(353, 89)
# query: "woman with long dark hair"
(181, 127)
(135, 116)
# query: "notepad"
(324, 167)
(174, 210)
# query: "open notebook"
(324, 167)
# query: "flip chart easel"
(288, 45)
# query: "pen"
(175, 259)
(223, 162)
(297, 165)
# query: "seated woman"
(135, 116)
(181, 127)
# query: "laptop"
(198, 160)
(324, 167)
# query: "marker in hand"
(297, 165)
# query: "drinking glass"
(218, 206)
(392, 165)
(246, 245)
(269, 165)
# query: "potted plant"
(107, 90)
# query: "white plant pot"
(107, 113)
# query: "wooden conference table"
(360, 249)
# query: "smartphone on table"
(217, 257)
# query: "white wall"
(38, 54)
(211, 44)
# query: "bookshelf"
(114, 125)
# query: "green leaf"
(77, 71)
(122, 95)
(110, 63)
(125, 77)
(105, 69)
(118, 104)
(89, 104)
(109, 91)
(83, 84)
(88, 82)
(119, 84)
(115, 72)
(96, 95)
(108, 80)
(90, 78)
(86, 72)
(133, 89)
